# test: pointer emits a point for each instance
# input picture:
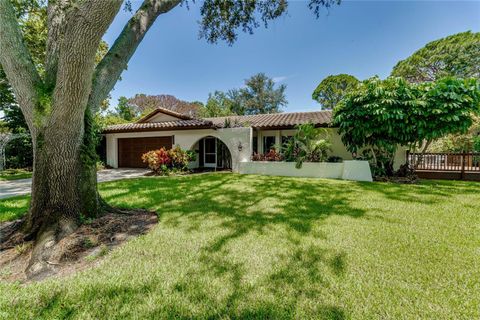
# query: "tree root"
(10, 234)
(62, 249)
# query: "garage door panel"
(130, 150)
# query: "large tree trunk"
(64, 188)
(56, 205)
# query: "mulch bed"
(81, 249)
(411, 179)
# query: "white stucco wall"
(338, 149)
(162, 117)
(348, 170)
(186, 139)
(356, 170)
(400, 157)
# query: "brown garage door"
(130, 150)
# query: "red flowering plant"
(158, 160)
(163, 162)
(271, 155)
(180, 158)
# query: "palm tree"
(309, 144)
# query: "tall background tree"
(457, 55)
(219, 104)
(59, 97)
(260, 95)
(332, 89)
(125, 110)
(468, 142)
(146, 103)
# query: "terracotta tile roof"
(165, 111)
(159, 126)
(276, 120)
(261, 121)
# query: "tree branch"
(115, 61)
(86, 24)
(17, 62)
(56, 12)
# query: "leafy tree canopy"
(332, 89)
(223, 19)
(469, 142)
(125, 110)
(382, 114)
(146, 103)
(218, 104)
(456, 55)
(260, 95)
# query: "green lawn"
(243, 247)
(14, 174)
(13, 208)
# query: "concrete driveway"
(19, 187)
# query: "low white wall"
(400, 157)
(356, 170)
(347, 170)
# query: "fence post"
(462, 172)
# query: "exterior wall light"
(240, 147)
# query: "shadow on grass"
(301, 280)
(426, 191)
(245, 203)
(242, 205)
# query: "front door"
(210, 154)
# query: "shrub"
(157, 160)
(334, 159)
(257, 157)
(309, 144)
(164, 161)
(100, 165)
(271, 155)
(476, 144)
(179, 158)
(192, 155)
(19, 153)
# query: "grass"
(244, 247)
(13, 208)
(14, 174)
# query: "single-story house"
(222, 142)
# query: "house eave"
(158, 129)
(290, 127)
(164, 111)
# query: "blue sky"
(358, 37)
